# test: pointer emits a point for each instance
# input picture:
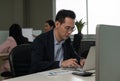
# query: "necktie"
(58, 56)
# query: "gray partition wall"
(107, 53)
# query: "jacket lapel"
(50, 44)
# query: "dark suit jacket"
(43, 52)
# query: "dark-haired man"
(53, 49)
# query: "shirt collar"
(56, 42)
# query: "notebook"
(89, 62)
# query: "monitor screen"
(27, 32)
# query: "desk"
(2, 55)
(53, 75)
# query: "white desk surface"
(53, 75)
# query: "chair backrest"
(20, 60)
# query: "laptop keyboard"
(73, 69)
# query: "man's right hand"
(70, 63)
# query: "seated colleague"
(16, 33)
(45, 47)
(49, 24)
(15, 38)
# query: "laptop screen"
(90, 60)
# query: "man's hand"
(82, 62)
(70, 63)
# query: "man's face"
(66, 28)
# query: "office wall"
(27, 13)
(5, 8)
(40, 11)
(10, 12)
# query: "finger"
(75, 60)
(76, 65)
(82, 62)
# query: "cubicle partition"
(107, 53)
(3, 36)
(27, 32)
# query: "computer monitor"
(107, 53)
(27, 32)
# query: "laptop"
(89, 62)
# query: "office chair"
(20, 60)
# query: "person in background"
(49, 24)
(53, 49)
(16, 32)
(15, 38)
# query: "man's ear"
(57, 24)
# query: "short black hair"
(62, 14)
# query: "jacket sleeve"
(71, 52)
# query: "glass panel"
(99, 12)
(102, 12)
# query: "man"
(53, 49)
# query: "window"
(92, 12)
(78, 6)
